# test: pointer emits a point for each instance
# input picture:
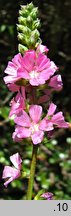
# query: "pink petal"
(17, 104)
(10, 79)
(16, 160)
(17, 60)
(46, 125)
(22, 73)
(37, 81)
(51, 109)
(35, 112)
(56, 82)
(8, 181)
(41, 49)
(22, 132)
(37, 137)
(47, 196)
(45, 66)
(34, 82)
(11, 69)
(48, 71)
(14, 175)
(23, 119)
(29, 59)
(58, 119)
(41, 59)
(15, 138)
(10, 172)
(53, 67)
(13, 87)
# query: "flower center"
(34, 128)
(34, 74)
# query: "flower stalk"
(32, 172)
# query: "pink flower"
(48, 196)
(10, 172)
(33, 67)
(53, 119)
(17, 103)
(33, 127)
(28, 126)
(56, 82)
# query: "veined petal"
(29, 59)
(51, 109)
(46, 125)
(23, 73)
(17, 104)
(9, 172)
(58, 119)
(10, 79)
(48, 71)
(37, 137)
(17, 60)
(11, 69)
(23, 119)
(41, 61)
(15, 175)
(56, 82)
(23, 132)
(16, 160)
(41, 49)
(35, 112)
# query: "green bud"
(29, 19)
(22, 20)
(23, 12)
(22, 48)
(34, 13)
(36, 24)
(20, 36)
(28, 33)
(30, 6)
(35, 34)
(23, 29)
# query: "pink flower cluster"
(25, 75)
(34, 67)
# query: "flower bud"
(22, 48)
(28, 34)
(22, 20)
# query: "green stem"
(32, 173)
